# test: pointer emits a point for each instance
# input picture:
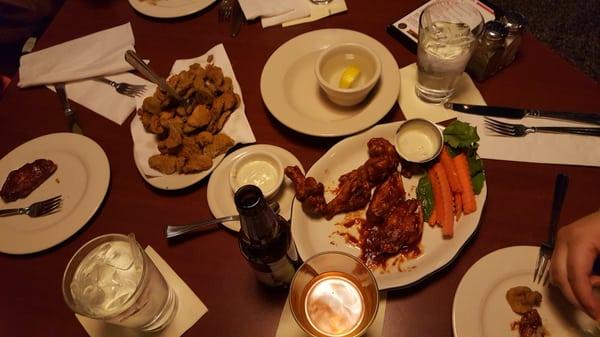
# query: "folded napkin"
(318, 12)
(189, 308)
(104, 99)
(97, 54)
(274, 12)
(289, 328)
(237, 126)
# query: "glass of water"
(448, 34)
(112, 279)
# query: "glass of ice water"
(448, 34)
(112, 279)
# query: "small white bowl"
(419, 140)
(259, 168)
(331, 64)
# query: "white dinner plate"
(480, 308)
(220, 194)
(291, 92)
(315, 235)
(82, 178)
(169, 8)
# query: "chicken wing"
(308, 191)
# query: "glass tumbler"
(111, 278)
(448, 34)
(334, 294)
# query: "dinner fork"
(520, 130)
(542, 265)
(37, 208)
(225, 10)
(124, 88)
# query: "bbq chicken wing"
(308, 191)
(386, 196)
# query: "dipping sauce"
(334, 305)
(259, 173)
(418, 140)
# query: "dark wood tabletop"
(516, 212)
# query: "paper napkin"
(274, 12)
(189, 309)
(318, 12)
(413, 107)
(289, 328)
(237, 126)
(104, 99)
(98, 54)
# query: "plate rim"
(147, 9)
(389, 68)
(420, 276)
(100, 174)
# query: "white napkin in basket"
(98, 54)
(236, 127)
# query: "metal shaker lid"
(514, 22)
(495, 30)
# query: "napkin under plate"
(237, 126)
(274, 12)
(98, 54)
(189, 309)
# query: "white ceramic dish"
(291, 92)
(260, 168)
(82, 178)
(419, 140)
(220, 195)
(313, 236)
(480, 308)
(169, 8)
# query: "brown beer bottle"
(265, 239)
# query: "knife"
(517, 113)
(237, 19)
(71, 117)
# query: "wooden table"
(516, 212)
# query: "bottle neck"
(257, 220)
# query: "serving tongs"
(132, 58)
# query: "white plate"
(290, 90)
(82, 179)
(313, 235)
(220, 195)
(480, 308)
(169, 8)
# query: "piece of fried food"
(167, 164)
(220, 144)
(522, 299)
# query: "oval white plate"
(313, 235)
(82, 179)
(480, 308)
(220, 195)
(169, 8)
(290, 90)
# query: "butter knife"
(71, 117)
(132, 58)
(237, 19)
(517, 113)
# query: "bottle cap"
(514, 22)
(495, 30)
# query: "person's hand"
(577, 246)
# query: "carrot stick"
(450, 169)
(433, 219)
(467, 194)
(457, 206)
(437, 196)
(447, 219)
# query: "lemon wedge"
(349, 76)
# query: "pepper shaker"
(487, 58)
(515, 23)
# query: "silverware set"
(37, 209)
(520, 130)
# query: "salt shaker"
(488, 56)
(515, 23)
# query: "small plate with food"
(499, 299)
(354, 199)
(70, 165)
(178, 143)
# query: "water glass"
(334, 294)
(111, 278)
(448, 34)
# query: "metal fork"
(519, 130)
(225, 10)
(124, 88)
(36, 209)
(542, 265)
